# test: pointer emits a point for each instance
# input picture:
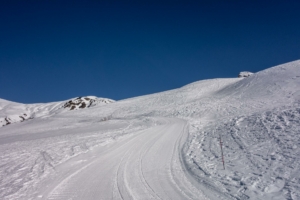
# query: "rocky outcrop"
(13, 119)
(86, 102)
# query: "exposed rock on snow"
(244, 74)
(13, 118)
(86, 102)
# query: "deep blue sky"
(56, 50)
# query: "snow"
(160, 146)
(244, 74)
(11, 112)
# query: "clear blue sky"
(56, 50)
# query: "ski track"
(138, 168)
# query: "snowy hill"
(11, 112)
(160, 146)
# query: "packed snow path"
(145, 166)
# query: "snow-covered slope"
(11, 112)
(161, 146)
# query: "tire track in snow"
(145, 148)
(141, 167)
(121, 171)
(61, 184)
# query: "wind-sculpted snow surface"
(162, 146)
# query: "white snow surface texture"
(11, 112)
(160, 146)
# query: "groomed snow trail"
(145, 166)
